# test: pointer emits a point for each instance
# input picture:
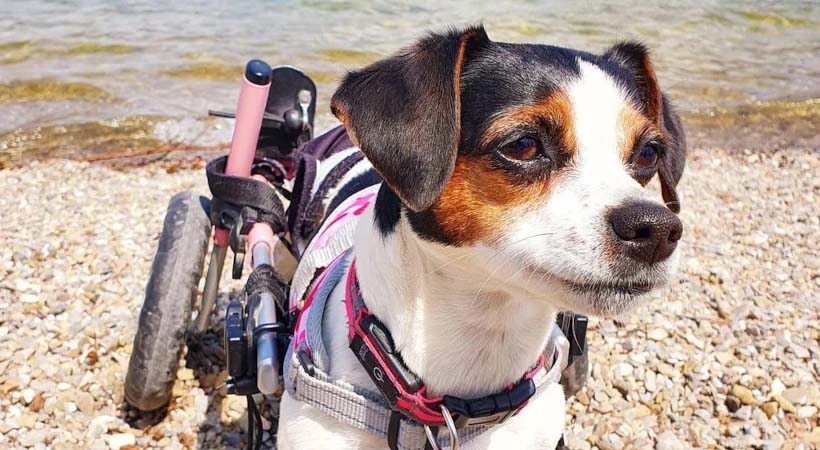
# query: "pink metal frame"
(249, 113)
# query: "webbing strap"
(242, 191)
(367, 411)
(361, 409)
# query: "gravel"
(727, 357)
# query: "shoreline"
(759, 126)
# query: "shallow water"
(65, 62)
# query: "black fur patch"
(675, 158)
(387, 210)
(402, 112)
(508, 76)
(424, 223)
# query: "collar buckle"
(492, 409)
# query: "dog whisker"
(490, 276)
(441, 266)
(497, 252)
(530, 237)
(708, 248)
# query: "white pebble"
(115, 441)
(668, 441)
(804, 412)
(623, 369)
(28, 395)
(99, 425)
(777, 387)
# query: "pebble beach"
(103, 119)
(727, 357)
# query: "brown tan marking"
(462, 50)
(339, 109)
(654, 98)
(555, 109)
(633, 125)
(654, 101)
(477, 202)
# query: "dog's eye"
(523, 149)
(647, 158)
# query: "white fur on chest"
(455, 328)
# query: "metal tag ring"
(451, 427)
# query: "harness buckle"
(240, 223)
(492, 409)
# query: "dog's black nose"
(648, 232)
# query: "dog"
(513, 186)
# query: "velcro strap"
(265, 279)
(244, 191)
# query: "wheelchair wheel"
(169, 299)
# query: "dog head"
(534, 157)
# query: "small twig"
(164, 149)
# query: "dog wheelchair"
(246, 213)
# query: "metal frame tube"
(267, 360)
(261, 254)
(209, 293)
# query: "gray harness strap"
(366, 410)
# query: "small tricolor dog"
(502, 183)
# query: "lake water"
(68, 67)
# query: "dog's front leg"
(302, 427)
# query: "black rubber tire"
(169, 299)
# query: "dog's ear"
(404, 113)
(634, 57)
